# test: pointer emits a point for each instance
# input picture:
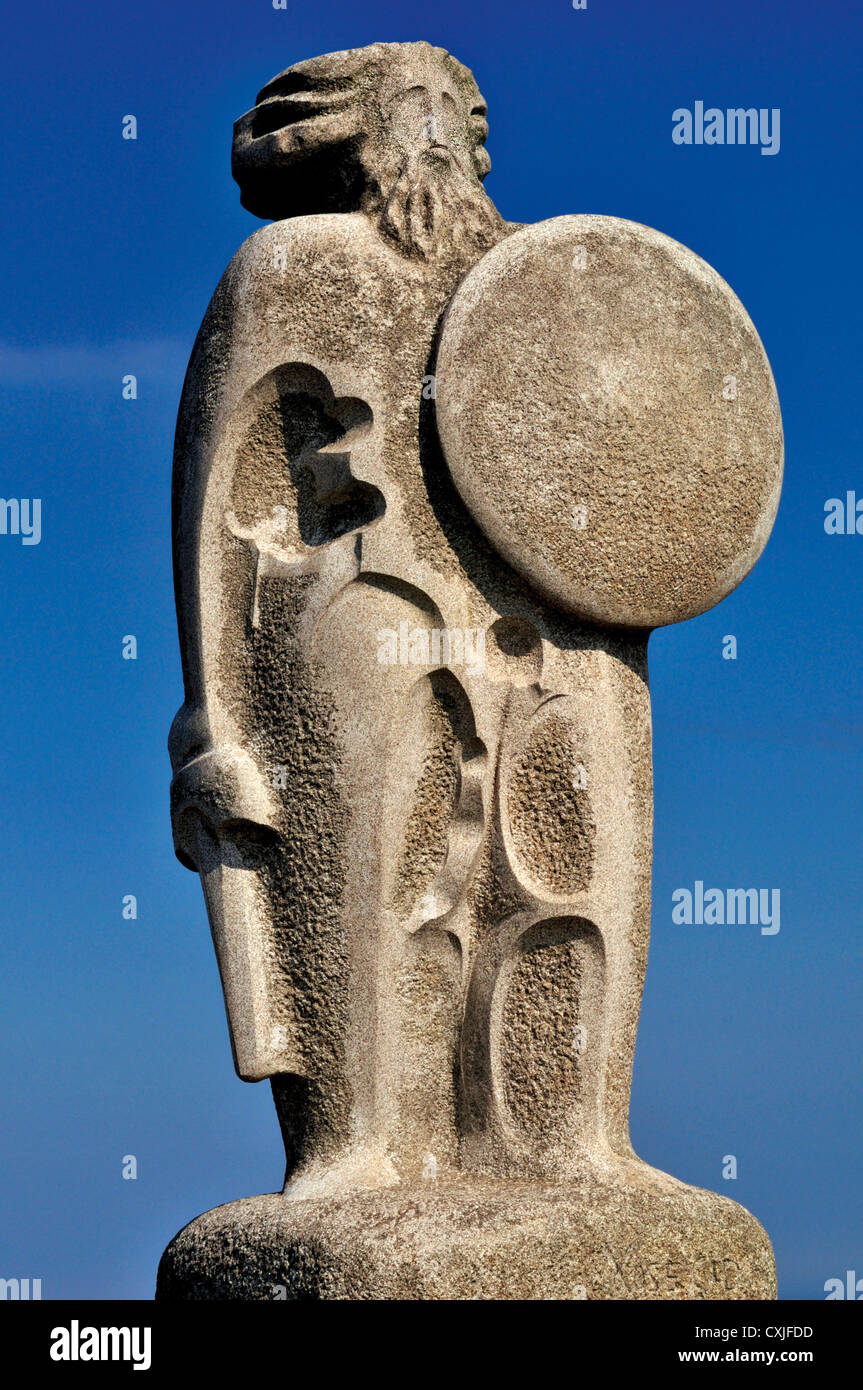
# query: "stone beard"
(413, 762)
(435, 207)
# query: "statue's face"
(425, 113)
(426, 161)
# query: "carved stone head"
(396, 130)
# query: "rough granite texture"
(416, 571)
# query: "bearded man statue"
(437, 476)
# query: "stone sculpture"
(437, 477)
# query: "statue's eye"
(477, 123)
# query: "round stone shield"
(609, 417)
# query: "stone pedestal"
(623, 1232)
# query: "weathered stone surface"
(416, 788)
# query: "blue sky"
(114, 1033)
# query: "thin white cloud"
(159, 361)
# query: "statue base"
(622, 1232)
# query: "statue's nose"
(224, 790)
